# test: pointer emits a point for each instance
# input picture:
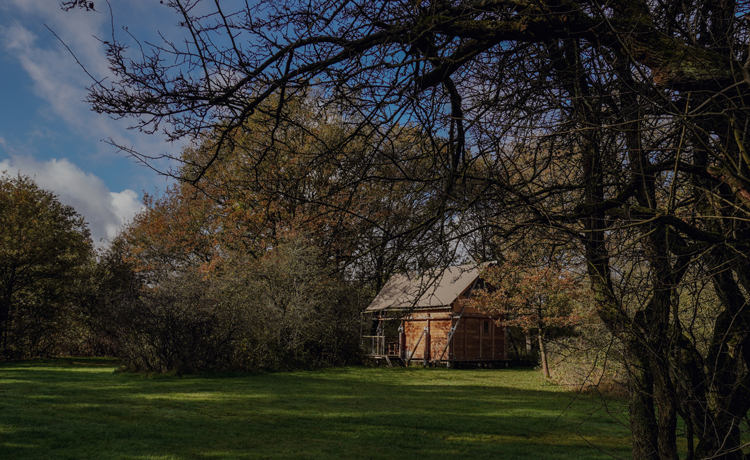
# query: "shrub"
(181, 325)
(589, 361)
(286, 310)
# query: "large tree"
(620, 127)
(45, 251)
(539, 299)
(270, 184)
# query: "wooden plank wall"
(413, 331)
(474, 340)
(439, 329)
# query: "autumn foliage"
(247, 269)
(535, 299)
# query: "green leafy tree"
(286, 310)
(45, 250)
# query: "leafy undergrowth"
(82, 409)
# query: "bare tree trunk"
(543, 355)
(641, 410)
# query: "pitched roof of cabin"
(432, 289)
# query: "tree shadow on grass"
(52, 410)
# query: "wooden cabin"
(422, 318)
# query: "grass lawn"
(82, 409)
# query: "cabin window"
(486, 327)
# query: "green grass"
(82, 409)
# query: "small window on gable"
(486, 327)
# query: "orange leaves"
(176, 230)
(308, 174)
(532, 297)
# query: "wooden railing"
(380, 345)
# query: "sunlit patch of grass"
(82, 409)
(203, 396)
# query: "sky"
(49, 133)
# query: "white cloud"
(125, 205)
(5, 146)
(104, 210)
(55, 75)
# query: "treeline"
(249, 270)
(286, 309)
(268, 262)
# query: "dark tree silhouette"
(45, 248)
(620, 127)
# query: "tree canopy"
(539, 298)
(619, 129)
(45, 249)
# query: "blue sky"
(48, 132)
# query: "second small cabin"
(422, 318)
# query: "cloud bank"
(105, 211)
